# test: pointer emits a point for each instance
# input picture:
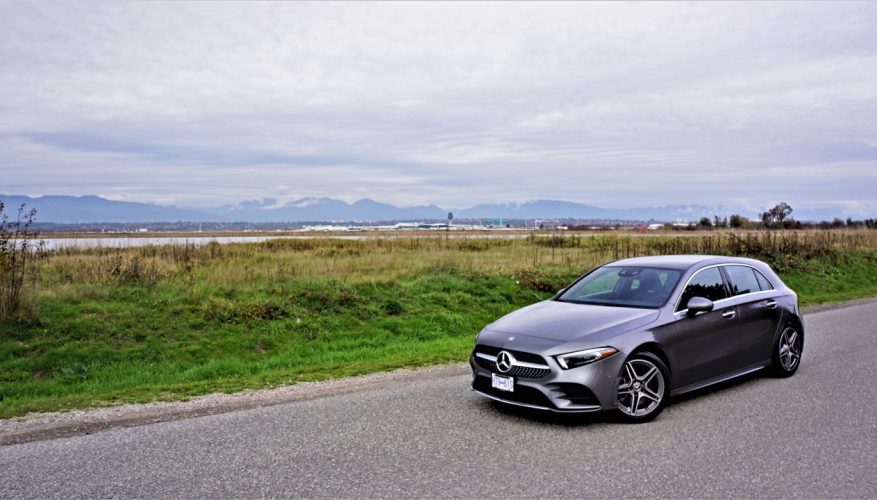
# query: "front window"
(707, 283)
(627, 286)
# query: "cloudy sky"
(615, 105)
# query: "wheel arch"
(793, 319)
(657, 350)
(796, 322)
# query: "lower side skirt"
(721, 378)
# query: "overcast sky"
(614, 105)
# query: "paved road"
(813, 435)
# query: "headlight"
(579, 358)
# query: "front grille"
(516, 371)
(527, 357)
(576, 394)
(521, 394)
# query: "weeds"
(222, 310)
(16, 255)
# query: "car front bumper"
(588, 388)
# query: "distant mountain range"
(88, 209)
(77, 209)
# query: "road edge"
(51, 425)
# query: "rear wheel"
(643, 387)
(787, 352)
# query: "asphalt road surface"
(811, 436)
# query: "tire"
(787, 351)
(643, 388)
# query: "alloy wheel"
(789, 349)
(641, 388)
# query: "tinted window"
(707, 283)
(742, 280)
(624, 286)
(762, 281)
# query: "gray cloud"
(453, 104)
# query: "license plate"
(502, 383)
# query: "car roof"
(682, 261)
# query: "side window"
(762, 281)
(742, 280)
(707, 284)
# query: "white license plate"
(502, 383)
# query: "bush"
(542, 282)
(393, 307)
(16, 253)
(226, 311)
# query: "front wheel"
(643, 387)
(787, 352)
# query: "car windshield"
(624, 286)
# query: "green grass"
(820, 282)
(109, 326)
(127, 343)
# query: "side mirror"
(559, 293)
(698, 305)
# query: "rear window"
(742, 280)
(762, 281)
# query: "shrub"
(221, 310)
(17, 250)
(393, 307)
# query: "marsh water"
(140, 241)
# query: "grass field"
(106, 326)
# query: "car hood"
(565, 321)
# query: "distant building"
(494, 223)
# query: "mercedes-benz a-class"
(630, 334)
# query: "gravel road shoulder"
(41, 426)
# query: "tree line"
(780, 217)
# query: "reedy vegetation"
(15, 257)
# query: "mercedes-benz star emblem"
(504, 361)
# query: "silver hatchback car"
(630, 334)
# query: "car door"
(703, 343)
(757, 308)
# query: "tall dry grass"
(386, 259)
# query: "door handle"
(728, 314)
(771, 304)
